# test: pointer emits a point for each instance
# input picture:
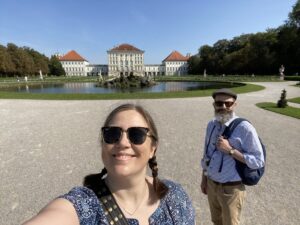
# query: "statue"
(100, 78)
(41, 75)
(281, 72)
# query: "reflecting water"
(91, 87)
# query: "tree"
(194, 63)
(220, 50)
(13, 51)
(261, 54)
(294, 16)
(288, 48)
(207, 61)
(6, 65)
(40, 61)
(55, 67)
(27, 63)
(282, 102)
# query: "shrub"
(282, 102)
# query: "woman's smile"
(123, 156)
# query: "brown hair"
(160, 188)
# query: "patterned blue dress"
(174, 209)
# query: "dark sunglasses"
(136, 135)
(220, 103)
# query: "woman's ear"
(153, 148)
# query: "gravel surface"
(47, 147)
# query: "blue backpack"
(249, 176)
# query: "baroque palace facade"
(124, 60)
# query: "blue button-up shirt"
(244, 138)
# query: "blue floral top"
(174, 208)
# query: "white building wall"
(96, 70)
(176, 68)
(125, 62)
(75, 68)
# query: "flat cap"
(224, 91)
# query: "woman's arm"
(58, 212)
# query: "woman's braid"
(103, 172)
(153, 166)
(159, 187)
(91, 181)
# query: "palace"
(124, 60)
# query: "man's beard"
(223, 116)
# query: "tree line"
(259, 53)
(24, 61)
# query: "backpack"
(249, 176)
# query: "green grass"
(294, 100)
(140, 95)
(287, 111)
(50, 79)
(228, 78)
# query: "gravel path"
(47, 147)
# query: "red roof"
(176, 56)
(72, 56)
(125, 47)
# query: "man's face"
(224, 106)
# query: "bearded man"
(220, 179)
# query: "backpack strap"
(229, 130)
(227, 133)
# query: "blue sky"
(158, 27)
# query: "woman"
(129, 141)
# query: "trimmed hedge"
(294, 78)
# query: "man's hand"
(204, 184)
(223, 145)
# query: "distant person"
(220, 179)
(25, 79)
(129, 142)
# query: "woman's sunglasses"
(136, 135)
(220, 104)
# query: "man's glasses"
(220, 104)
(136, 135)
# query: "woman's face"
(124, 158)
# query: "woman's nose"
(124, 139)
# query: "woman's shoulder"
(179, 203)
(80, 192)
(172, 185)
(86, 204)
(175, 190)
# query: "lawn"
(288, 111)
(294, 100)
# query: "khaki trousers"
(225, 202)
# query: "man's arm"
(224, 146)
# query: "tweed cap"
(224, 91)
